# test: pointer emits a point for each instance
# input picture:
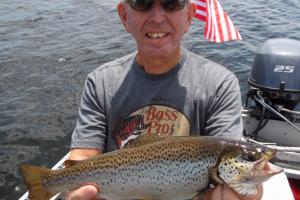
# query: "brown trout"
(168, 168)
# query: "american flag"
(219, 27)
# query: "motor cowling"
(276, 71)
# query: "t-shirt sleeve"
(90, 130)
(224, 110)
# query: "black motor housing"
(276, 71)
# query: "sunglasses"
(146, 5)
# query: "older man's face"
(157, 32)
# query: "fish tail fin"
(33, 179)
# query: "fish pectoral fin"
(199, 196)
(213, 174)
(244, 188)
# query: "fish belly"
(167, 180)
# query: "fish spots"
(169, 168)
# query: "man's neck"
(156, 66)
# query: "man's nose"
(157, 12)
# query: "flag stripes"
(218, 27)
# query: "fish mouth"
(263, 167)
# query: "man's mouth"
(154, 35)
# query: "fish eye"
(261, 150)
(250, 157)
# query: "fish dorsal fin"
(70, 163)
(144, 139)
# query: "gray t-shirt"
(120, 101)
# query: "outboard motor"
(275, 82)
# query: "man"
(160, 89)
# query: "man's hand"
(224, 192)
(86, 192)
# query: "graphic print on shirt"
(153, 119)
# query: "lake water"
(48, 47)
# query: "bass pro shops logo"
(154, 119)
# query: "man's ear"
(123, 15)
(191, 13)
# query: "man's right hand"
(86, 192)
